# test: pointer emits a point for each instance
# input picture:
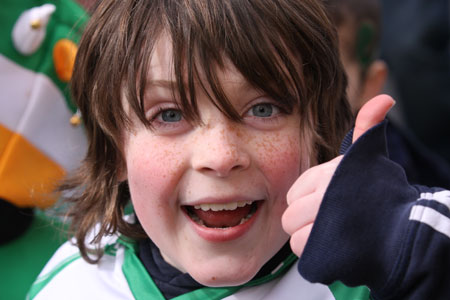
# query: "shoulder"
(290, 286)
(293, 286)
(68, 276)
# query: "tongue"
(224, 218)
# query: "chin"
(223, 276)
(224, 280)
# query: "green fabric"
(22, 259)
(289, 261)
(343, 292)
(143, 287)
(66, 22)
(41, 282)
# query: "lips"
(222, 215)
(227, 222)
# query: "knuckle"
(297, 244)
(286, 222)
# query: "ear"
(375, 79)
(122, 174)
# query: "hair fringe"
(290, 54)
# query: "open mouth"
(222, 216)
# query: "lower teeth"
(196, 219)
(246, 218)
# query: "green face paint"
(365, 44)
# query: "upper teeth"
(222, 206)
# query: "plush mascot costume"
(41, 136)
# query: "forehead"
(161, 68)
(161, 60)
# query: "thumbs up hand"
(306, 194)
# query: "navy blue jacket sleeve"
(375, 229)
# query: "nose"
(220, 150)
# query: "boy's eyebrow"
(161, 83)
(169, 84)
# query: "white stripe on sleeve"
(442, 197)
(432, 218)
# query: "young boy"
(203, 114)
(374, 227)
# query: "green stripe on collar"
(143, 287)
(41, 282)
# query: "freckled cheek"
(152, 173)
(281, 160)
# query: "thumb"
(372, 113)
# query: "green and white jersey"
(121, 275)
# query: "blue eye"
(263, 110)
(171, 115)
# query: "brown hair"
(286, 48)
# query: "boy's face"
(211, 196)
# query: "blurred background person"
(415, 43)
(358, 25)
